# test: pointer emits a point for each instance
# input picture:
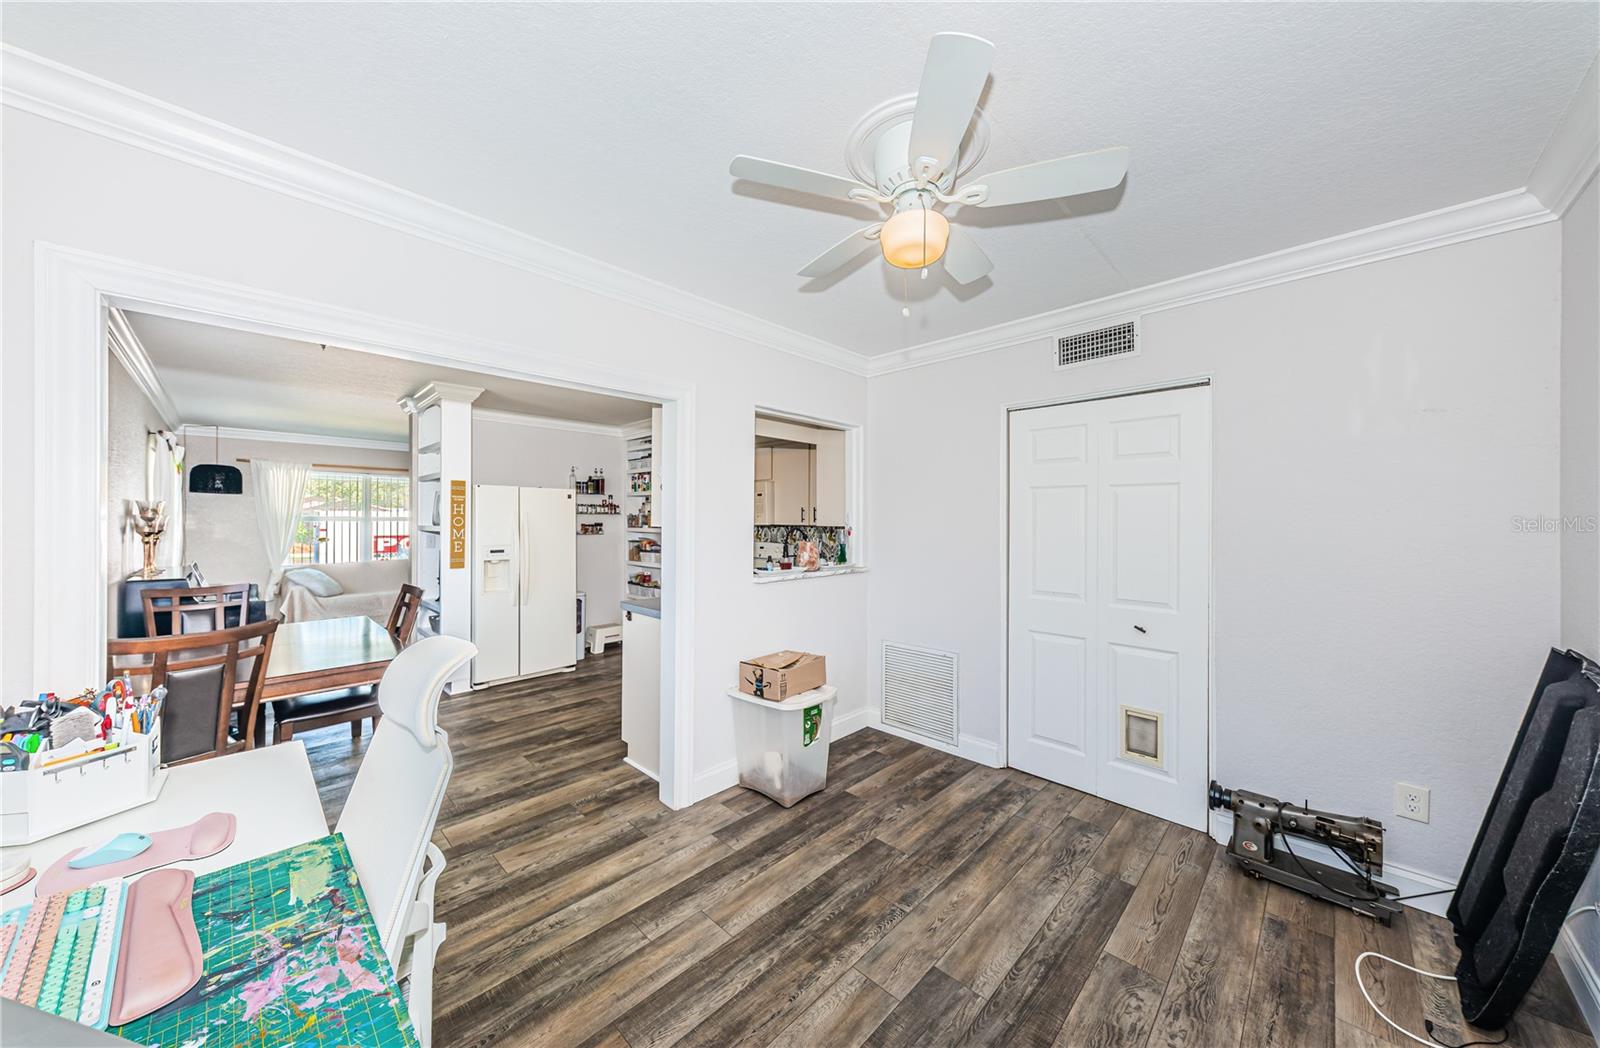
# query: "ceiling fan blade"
(842, 252)
(1062, 177)
(799, 179)
(952, 79)
(964, 260)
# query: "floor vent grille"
(919, 691)
(1086, 346)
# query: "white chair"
(389, 816)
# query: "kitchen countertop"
(796, 573)
(650, 606)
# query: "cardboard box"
(782, 675)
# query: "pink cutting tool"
(207, 835)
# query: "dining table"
(326, 654)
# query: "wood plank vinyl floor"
(920, 900)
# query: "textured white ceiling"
(607, 128)
(222, 377)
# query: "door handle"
(802, 514)
(525, 554)
(1141, 629)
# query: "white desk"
(270, 790)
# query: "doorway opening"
(83, 556)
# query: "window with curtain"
(351, 516)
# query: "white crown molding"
(517, 418)
(130, 352)
(1501, 213)
(48, 89)
(278, 437)
(1572, 156)
(434, 392)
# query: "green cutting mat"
(292, 957)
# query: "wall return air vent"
(919, 691)
(1085, 347)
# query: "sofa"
(370, 588)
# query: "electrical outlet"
(1411, 802)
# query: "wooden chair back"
(184, 610)
(403, 616)
(201, 672)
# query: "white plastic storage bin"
(783, 751)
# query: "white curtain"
(279, 488)
(164, 483)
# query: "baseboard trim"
(1408, 880)
(713, 781)
(640, 768)
(854, 721)
(1581, 977)
(979, 751)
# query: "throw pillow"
(318, 582)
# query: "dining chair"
(347, 704)
(197, 609)
(403, 616)
(393, 804)
(199, 671)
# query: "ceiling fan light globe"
(914, 238)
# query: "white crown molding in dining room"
(275, 436)
(135, 360)
(1572, 156)
(58, 92)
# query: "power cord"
(1366, 878)
(1428, 1023)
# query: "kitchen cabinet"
(763, 463)
(827, 479)
(791, 486)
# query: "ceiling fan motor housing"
(894, 168)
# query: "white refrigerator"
(524, 580)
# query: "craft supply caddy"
(50, 785)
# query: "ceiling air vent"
(1118, 340)
(919, 691)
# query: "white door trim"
(72, 292)
(1003, 757)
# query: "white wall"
(1376, 615)
(69, 187)
(1580, 475)
(130, 418)
(542, 456)
(1580, 425)
(222, 534)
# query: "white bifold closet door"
(1110, 539)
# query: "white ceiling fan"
(916, 160)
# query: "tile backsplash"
(827, 539)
